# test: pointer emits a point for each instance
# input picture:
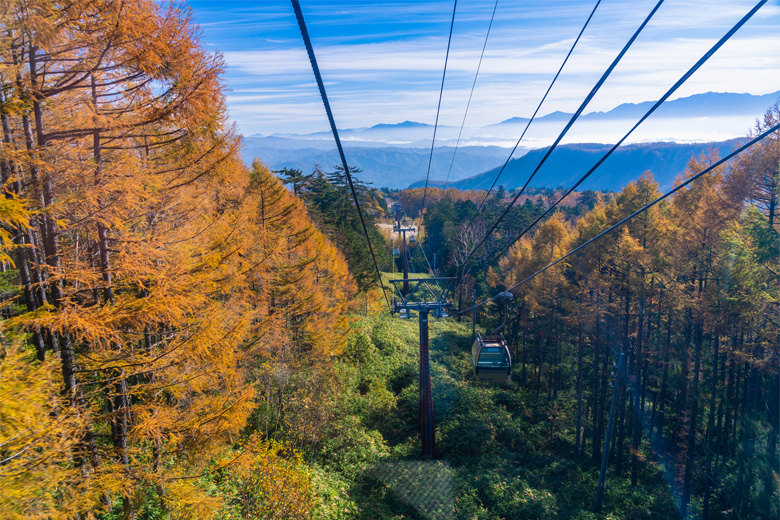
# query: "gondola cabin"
(412, 240)
(396, 252)
(491, 359)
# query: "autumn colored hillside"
(185, 337)
(151, 279)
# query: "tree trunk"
(524, 380)
(603, 398)
(637, 426)
(102, 231)
(730, 398)
(660, 421)
(538, 368)
(772, 469)
(48, 227)
(597, 411)
(690, 452)
(748, 440)
(12, 181)
(621, 431)
(460, 296)
(585, 429)
(710, 426)
(578, 425)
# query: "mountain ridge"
(392, 167)
(569, 162)
(727, 103)
(690, 106)
(396, 155)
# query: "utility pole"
(392, 259)
(621, 367)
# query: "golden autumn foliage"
(154, 268)
(528, 255)
(264, 483)
(35, 434)
(306, 283)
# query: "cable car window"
(492, 357)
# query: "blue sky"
(382, 61)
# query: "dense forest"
(186, 336)
(688, 291)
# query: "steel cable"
(574, 117)
(539, 106)
(321, 85)
(438, 109)
(637, 212)
(657, 104)
(468, 103)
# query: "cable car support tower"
(399, 220)
(427, 296)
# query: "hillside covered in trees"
(151, 281)
(184, 336)
(687, 291)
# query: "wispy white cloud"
(379, 70)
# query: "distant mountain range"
(383, 166)
(701, 117)
(569, 162)
(405, 124)
(708, 105)
(396, 155)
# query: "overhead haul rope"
(538, 107)
(438, 109)
(533, 116)
(637, 212)
(566, 128)
(468, 103)
(320, 84)
(658, 103)
(435, 126)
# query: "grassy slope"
(503, 452)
